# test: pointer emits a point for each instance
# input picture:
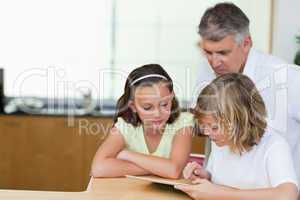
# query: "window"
(55, 48)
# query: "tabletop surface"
(104, 189)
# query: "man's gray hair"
(222, 20)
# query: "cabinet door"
(47, 153)
(54, 156)
(93, 131)
(40, 153)
(9, 136)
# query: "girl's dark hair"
(122, 108)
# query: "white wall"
(259, 13)
(286, 27)
(50, 47)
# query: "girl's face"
(212, 128)
(153, 105)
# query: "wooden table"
(104, 189)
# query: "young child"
(248, 160)
(149, 135)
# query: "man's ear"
(132, 106)
(247, 43)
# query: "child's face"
(153, 105)
(212, 128)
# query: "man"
(227, 45)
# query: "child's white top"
(266, 165)
(135, 141)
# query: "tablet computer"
(160, 180)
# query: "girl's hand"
(203, 189)
(194, 171)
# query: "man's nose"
(215, 60)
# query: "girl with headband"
(149, 135)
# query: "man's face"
(226, 55)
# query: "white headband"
(148, 76)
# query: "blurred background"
(58, 47)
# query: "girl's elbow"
(175, 172)
(98, 170)
(95, 172)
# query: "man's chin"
(220, 73)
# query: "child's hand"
(202, 189)
(194, 171)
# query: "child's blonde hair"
(233, 100)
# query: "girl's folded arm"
(112, 167)
(168, 168)
(105, 163)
